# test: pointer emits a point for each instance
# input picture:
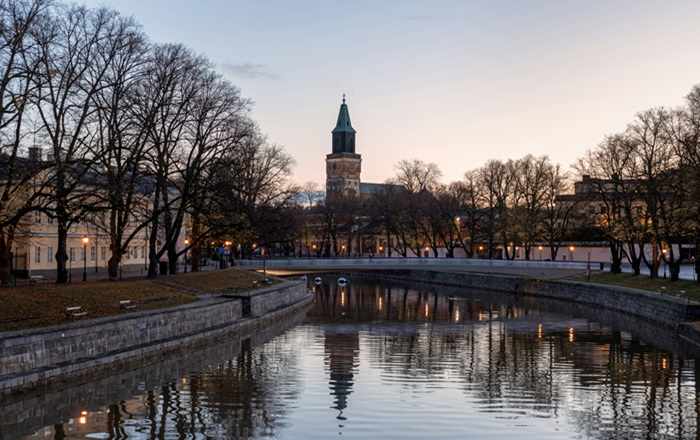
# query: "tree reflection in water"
(395, 361)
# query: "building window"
(72, 254)
(37, 217)
(37, 255)
(49, 219)
(93, 253)
(104, 253)
(49, 254)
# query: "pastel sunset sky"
(450, 82)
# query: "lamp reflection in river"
(457, 315)
(427, 310)
(571, 334)
(540, 331)
(380, 304)
(342, 296)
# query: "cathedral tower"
(343, 165)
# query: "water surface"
(380, 360)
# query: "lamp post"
(187, 243)
(85, 243)
(262, 253)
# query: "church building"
(344, 164)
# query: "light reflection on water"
(385, 361)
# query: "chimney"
(35, 154)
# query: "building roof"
(376, 188)
(343, 125)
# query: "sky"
(451, 82)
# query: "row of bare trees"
(138, 136)
(639, 193)
(647, 183)
(490, 212)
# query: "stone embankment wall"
(36, 357)
(26, 413)
(660, 308)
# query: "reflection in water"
(392, 361)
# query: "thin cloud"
(249, 71)
(419, 17)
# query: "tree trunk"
(674, 268)
(615, 258)
(113, 264)
(653, 271)
(5, 261)
(196, 256)
(172, 258)
(636, 266)
(61, 255)
(697, 255)
(153, 253)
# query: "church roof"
(343, 124)
(378, 188)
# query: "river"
(379, 360)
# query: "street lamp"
(85, 243)
(187, 243)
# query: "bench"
(75, 312)
(127, 304)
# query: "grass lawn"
(688, 289)
(45, 304)
(222, 281)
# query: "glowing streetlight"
(85, 243)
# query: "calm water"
(373, 361)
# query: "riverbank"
(45, 304)
(681, 288)
(663, 309)
(36, 357)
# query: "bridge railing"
(374, 262)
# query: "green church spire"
(343, 133)
(343, 124)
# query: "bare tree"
(122, 121)
(557, 216)
(76, 51)
(611, 186)
(531, 184)
(684, 129)
(24, 181)
(416, 176)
